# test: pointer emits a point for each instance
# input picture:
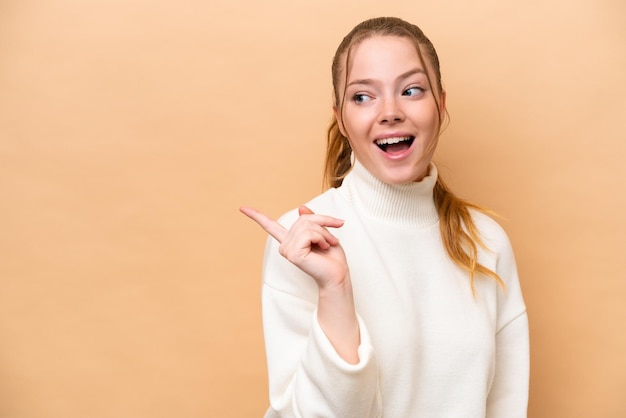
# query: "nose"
(391, 111)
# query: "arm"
(307, 377)
(508, 396)
(313, 249)
(336, 316)
(320, 362)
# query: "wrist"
(337, 317)
(336, 287)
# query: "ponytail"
(338, 154)
(459, 233)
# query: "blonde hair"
(459, 233)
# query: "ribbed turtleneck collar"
(405, 205)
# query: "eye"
(413, 91)
(360, 98)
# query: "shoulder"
(491, 232)
(499, 257)
(498, 254)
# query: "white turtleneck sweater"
(429, 348)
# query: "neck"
(405, 205)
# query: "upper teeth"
(388, 141)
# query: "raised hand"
(311, 247)
(308, 244)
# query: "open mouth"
(395, 144)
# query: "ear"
(339, 121)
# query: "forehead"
(383, 55)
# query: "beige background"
(131, 131)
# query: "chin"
(405, 176)
(399, 179)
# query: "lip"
(399, 156)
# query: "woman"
(387, 296)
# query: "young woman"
(387, 296)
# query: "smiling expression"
(389, 114)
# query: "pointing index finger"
(272, 227)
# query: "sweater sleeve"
(307, 378)
(508, 396)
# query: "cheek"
(427, 118)
(358, 122)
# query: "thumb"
(303, 210)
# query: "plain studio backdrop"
(131, 131)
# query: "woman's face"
(390, 114)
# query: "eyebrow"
(400, 77)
